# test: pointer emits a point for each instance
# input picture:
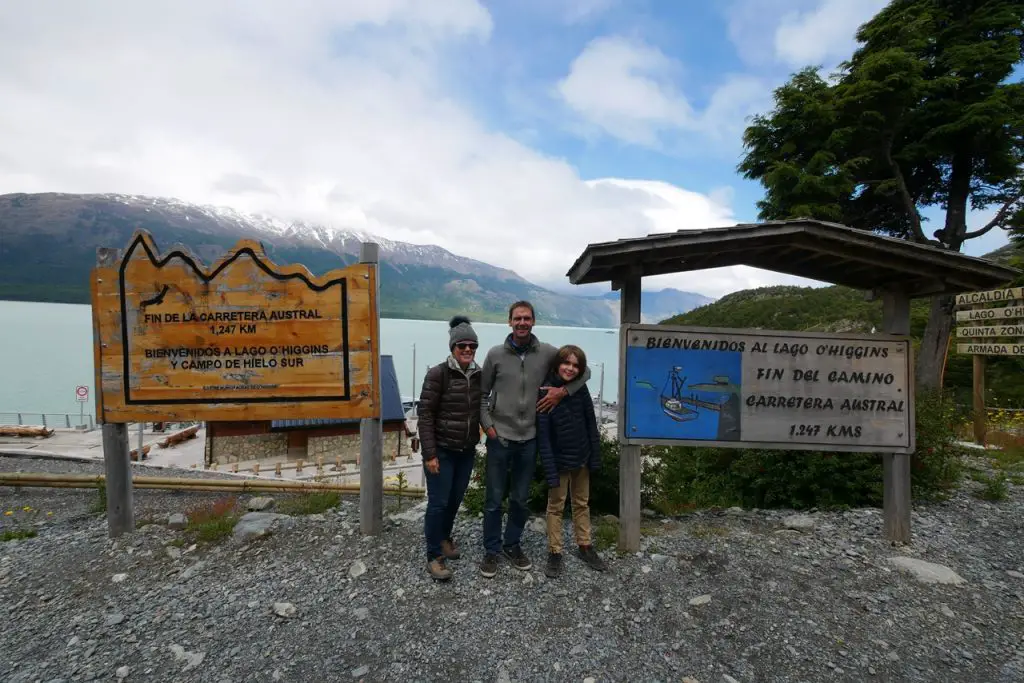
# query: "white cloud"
(797, 33)
(627, 89)
(317, 110)
(825, 34)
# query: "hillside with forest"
(840, 309)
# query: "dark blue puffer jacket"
(567, 437)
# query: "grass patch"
(309, 503)
(994, 486)
(17, 535)
(212, 522)
(606, 534)
(707, 531)
(100, 504)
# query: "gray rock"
(361, 613)
(799, 522)
(538, 525)
(177, 521)
(114, 619)
(122, 672)
(413, 514)
(360, 672)
(260, 504)
(927, 572)
(284, 609)
(172, 552)
(700, 600)
(1013, 573)
(118, 578)
(254, 525)
(191, 659)
(357, 569)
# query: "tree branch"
(997, 220)
(908, 202)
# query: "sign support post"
(371, 437)
(978, 386)
(896, 466)
(116, 460)
(630, 460)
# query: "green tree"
(924, 114)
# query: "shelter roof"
(817, 250)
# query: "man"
(510, 382)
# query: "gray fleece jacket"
(509, 383)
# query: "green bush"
(720, 477)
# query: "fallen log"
(178, 437)
(24, 430)
(67, 481)
(145, 452)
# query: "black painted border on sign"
(346, 395)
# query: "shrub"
(209, 523)
(311, 503)
(721, 477)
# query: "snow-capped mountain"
(342, 241)
(48, 246)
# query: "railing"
(50, 420)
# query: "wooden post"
(980, 416)
(117, 462)
(118, 467)
(896, 466)
(630, 465)
(371, 446)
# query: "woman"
(570, 449)
(449, 427)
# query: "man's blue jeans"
(521, 458)
(445, 491)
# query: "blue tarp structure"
(391, 403)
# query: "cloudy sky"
(512, 131)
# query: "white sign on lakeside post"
(82, 393)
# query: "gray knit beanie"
(460, 330)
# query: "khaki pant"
(578, 482)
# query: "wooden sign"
(992, 349)
(244, 339)
(989, 322)
(766, 389)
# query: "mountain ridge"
(48, 242)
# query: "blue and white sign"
(767, 389)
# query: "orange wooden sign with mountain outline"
(245, 339)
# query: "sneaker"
(438, 570)
(489, 567)
(554, 567)
(591, 558)
(450, 550)
(518, 559)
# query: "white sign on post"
(82, 393)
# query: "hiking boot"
(489, 567)
(518, 559)
(450, 550)
(591, 558)
(438, 570)
(554, 567)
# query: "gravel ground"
(714, 597)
